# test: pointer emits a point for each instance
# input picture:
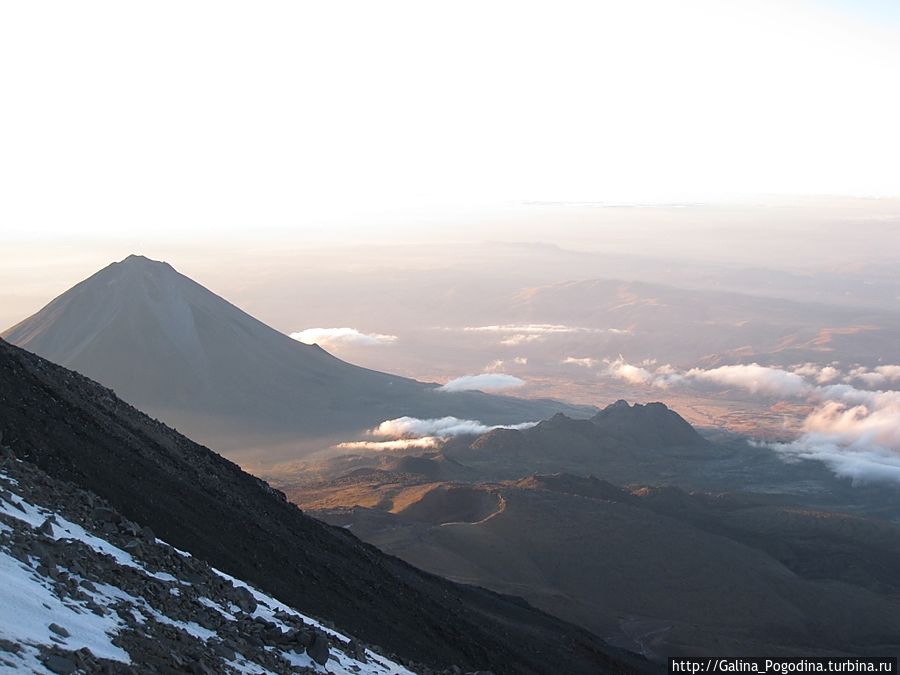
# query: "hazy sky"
(180, 117)
(211, 133)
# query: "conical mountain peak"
(138, 261)
(173, 348)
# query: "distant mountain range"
(171, 347)
(95, 448)
(618, 432)
(652, 444)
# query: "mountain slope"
(86, 589)
(78, 431)
(171, 347)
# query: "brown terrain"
(658, 570)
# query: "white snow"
(65, 529)
(28, 606)
(339, 663)
(216, 606)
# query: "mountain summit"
(173, 348)
(652, 425)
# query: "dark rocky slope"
(88, 591)
(78, 431)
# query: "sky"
(202, 133)
(241, 119)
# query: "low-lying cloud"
(442, 427)
(424, 443)
(499, 364)
(482, 382)
(753, 377)
(342, 336)
(853, 431)
(528, 328)
(515, 334)
(820, 374)
(520, 339)
(584, 362)
(876, 377)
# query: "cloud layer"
(425, 443)
(515, 334)
(751, 377)
(499, 364)
(413, 427)
(854, 431)
(584, 362)
(482, 382)
(339, 336)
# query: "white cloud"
(891, 372)
(827, 375)
(622, 370)
(499, 364)
(754, 378)
(876, 377)
(347, 336)
(856, 433)
(523, 333)
(482, 382)
(806, 369)
(820, 374)
(426, 442)
(528, 328)
(521, 339)
(413, 427)
(585, 362)
(858, 463)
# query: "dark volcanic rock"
(318, 649)
(60, 664)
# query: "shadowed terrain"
(707, 574)
(78, 431)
